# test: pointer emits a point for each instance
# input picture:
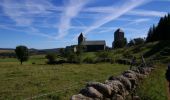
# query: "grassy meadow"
(48, 82)
(154, 87)
(39, 81)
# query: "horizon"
(46, 24)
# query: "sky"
(44, 24)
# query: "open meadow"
(48, 82)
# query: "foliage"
(51, 58)
(80, 49)
(89, 60)
(22, 53)
(136, 41)
(158, 48)
(62, 52)
(120, 43)
(103, 56)
(161, 31)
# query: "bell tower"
(81, 39)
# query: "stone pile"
(115, 88)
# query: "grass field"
(154, 87)
(55, 81)
(59, 82)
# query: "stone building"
(95, 45)
(119, 39)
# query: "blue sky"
(44, 24)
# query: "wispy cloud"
(147, 13)
(119, 12)
(137, 21)
(24, 13)
(71, 10)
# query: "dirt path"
(168, 92)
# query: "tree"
(120, 43)
(62, 52)
(139, 41)
(131, 43)
(51, 58)
(161, 31)
(22, 53)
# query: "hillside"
(157, 51)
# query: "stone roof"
(97, 42)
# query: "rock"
(117, 86)
(130, 74)
(132, 78)
(91, 92)
(80, 97)
(125, 81)
(117, 97)
(104, 89)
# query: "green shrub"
(51, 58)
(89, 60)
(103, 56)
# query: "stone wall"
(115, 87)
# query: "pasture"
(154, 87)
(48, 82)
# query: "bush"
(89, 60)
(127, 55)
(51, 58)
(123, 61)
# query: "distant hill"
(31, 50)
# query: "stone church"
(99, 45)
(95, 45)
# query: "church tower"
(81, 39)
(118, 35)
(119, 39)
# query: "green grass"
(18, 82)
(59, 82)
(154, 87)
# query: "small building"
(95, 45)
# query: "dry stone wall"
(114, 88)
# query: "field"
(48, 82)
(154, 87)
(39, 81)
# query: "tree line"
(161, 31)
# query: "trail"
(168, 92)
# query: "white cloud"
(137, 21)
(147, 13)
(115, 14)
(71, 11)
(24, 12)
